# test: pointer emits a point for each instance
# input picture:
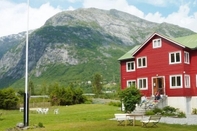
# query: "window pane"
(177, 57)
(144, 62)
(140, 83)
(129, 84)
(173, 81)
(139, 62)
(172, 58)
(186, 57)
(132, 66)
(178, 81)
(144, 83)
(129, 66)
(133, 84)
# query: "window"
(187, 81)
(156, 43)
(130, 66)
(175, 57)
(176, 81)
(141, 62)
(186, 57)
(143, 83)
(131, 83)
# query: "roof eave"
(159, 36)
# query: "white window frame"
(186, 57)
(187, 81)
(141, 86)
(127, 66)
(175, 60)
(176, 86)
(157, 43)
(141, 58)
(196, 80)
(131, 81)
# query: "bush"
(194, 111)
(157, 111)
(130, 97)
(66, 96)
(169, 109)
(40, 125)
(8, 99)
(149, 112)
(166, 111)
(118, 104)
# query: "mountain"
(74, 45)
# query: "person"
(157, 95)
(143, 100)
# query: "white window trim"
(174, 87)
(187, 83)
(127, 66)
(158, 45)
(139, 83)
(175, 57)
(196, 80)
(131, 82)
(185, 60)
(141, 59)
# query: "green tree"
(97, 84)
(31, 88)
(78, 96)
(8, 99)
(54, 90)
(130, 97)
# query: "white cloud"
(74, 1)
(14, 17)
(182, 17)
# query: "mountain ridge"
(76, 44)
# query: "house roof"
(129, 55)
(186, 41)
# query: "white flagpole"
(26, 100)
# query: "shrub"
(169, 109)
(66, 96)
(130, 97)
(112, 103)
(149, 112)
(8, 99)
(40, 125)
(194, 111)
(181, 115)
(157, 111)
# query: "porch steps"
(150, 103)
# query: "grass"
(84, 117)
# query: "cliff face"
(73, 45)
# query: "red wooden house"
(168, 65)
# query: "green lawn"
(84, 117)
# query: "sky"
(14, 18)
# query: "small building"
(167, 65)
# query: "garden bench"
(122, 118)
(154, 119)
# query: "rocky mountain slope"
(73, 45)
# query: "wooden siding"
(158, 66)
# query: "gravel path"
(189, 120)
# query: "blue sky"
(14, 12)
